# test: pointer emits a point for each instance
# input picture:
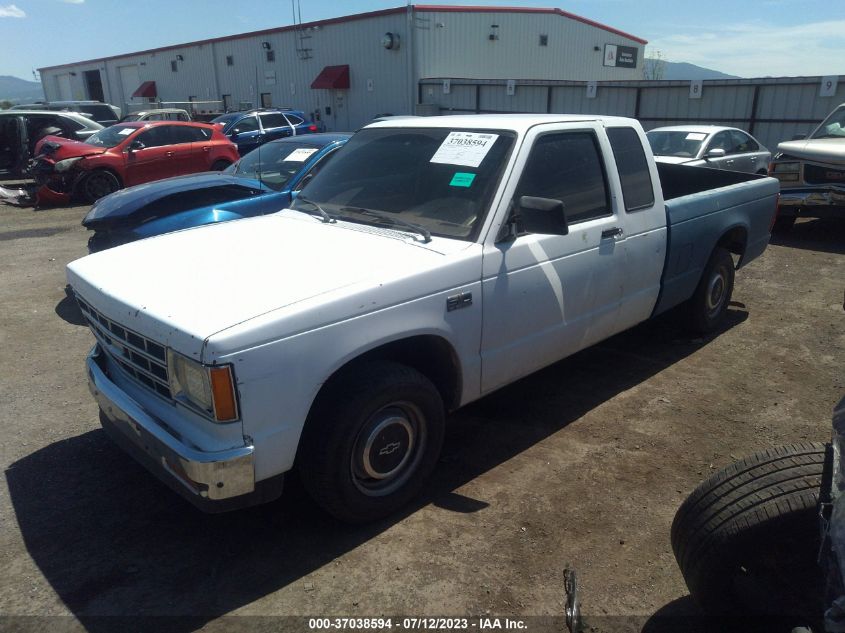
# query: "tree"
(654, 66)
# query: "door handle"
(168, 153)
(614, 232)
(206, 148)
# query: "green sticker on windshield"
(462, 179)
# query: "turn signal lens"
(312, 128)
(223, 394)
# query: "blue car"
(261, 182)
(252, 128)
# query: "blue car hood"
(127, 206)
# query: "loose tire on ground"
(97, 184)
(220, 165)
(747, 538)
(709, 303)
(371, 441)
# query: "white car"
(709, 146)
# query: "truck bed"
(703, 208)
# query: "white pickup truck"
(432, 261)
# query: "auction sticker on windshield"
(299, 155)
(464, 148)
(695, 136)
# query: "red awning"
(332, 77)
(146, 90)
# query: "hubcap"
(100, 186)
(387, 450)
(716, 292)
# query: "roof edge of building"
(350, 18)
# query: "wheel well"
(430, 355)
(88, 172)
(734, 241)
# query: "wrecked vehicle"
(765, 536)
(21, 130)
(431, 262)
(812, 173)
(261, 182)
(127, 154)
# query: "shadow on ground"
(823, 235)
(112, 541)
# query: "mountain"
(20, 90)
(683, 71)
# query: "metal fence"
(771, 109)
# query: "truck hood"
(57, 148)
(123, 207)
(181, 288)
(819, 150)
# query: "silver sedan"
(709, 146)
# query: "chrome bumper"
(204, 478)
(812, 198)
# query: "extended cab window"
(567, 166)
(631, 162)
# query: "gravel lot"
(582, 464)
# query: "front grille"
(143, 359)
(818, 175)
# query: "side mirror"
(715, 153)
(134, 145)
(233, 136)
(542, 215)
(799, 137)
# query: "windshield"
(676, 143)
(274, 164)
(833, 126)
(438, 179)
(131, 117)
(111, 136)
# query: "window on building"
(633, 168)
(271, 56)
(227, 102)
(230, 60)
(567, 167)
(544, 40)
(174, 66)
(266, 100)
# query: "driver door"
(548, 296)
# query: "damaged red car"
(124, 155)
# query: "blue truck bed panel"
(706, 207)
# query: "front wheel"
(709, 304)
(98, 184)
(372, 441)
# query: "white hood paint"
(181, 288)
(819, 150)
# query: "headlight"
(779, 167)
(64, 165)
(211, 389)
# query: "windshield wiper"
(327, 219)
(389, 219)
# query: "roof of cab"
(515, 122)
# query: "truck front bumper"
(814, 202)
(212, 481)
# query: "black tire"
(747, 538)
(97, 184)
(708, 305)
(784, 224)
(220, 165)
(371, 441)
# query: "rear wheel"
(99, 183)
(372, 441)
(747, 538)
(709, 304)
(220, 165)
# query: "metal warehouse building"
(353, 68)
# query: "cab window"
(568, 167)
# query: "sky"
(747, 38)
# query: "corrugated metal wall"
(452, 44)
(203, 72)
(773, 110)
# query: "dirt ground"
(582, 465)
